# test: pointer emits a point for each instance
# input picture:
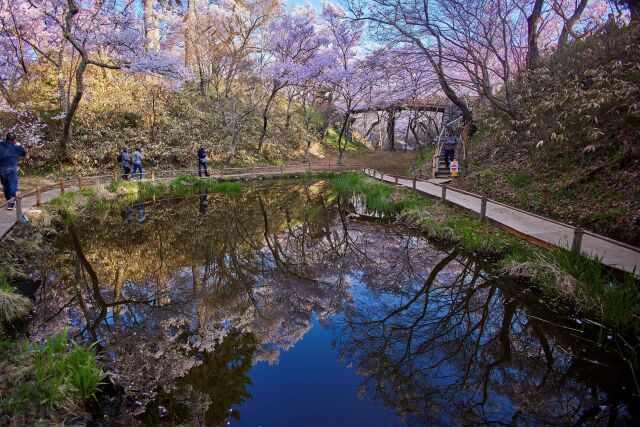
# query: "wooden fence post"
(153, 175)
(545, 195)
(444, 192)
(38, 196)
(113, 178)
(414, 183)
(79, 182)
(396, 179)
(62, 186)
(18, 206)
(483, 208)
(434, 159)
(381, 176)
(281, 170)
(576, 245)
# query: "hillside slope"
(578, 133)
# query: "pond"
(284, 305)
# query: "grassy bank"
(45, 384)
(592, 288)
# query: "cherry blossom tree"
(293, 47)
(103, 34)
(350, 77)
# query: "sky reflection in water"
(273, 308)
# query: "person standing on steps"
(202, 162)
(449, 146)
(124, 160)
(137, 162)
(10, 152)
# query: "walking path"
(532, 227)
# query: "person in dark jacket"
(10, 152)
(125, 163)
(449, 146)
(202, 162)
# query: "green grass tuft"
(55, 376)
(88, 191)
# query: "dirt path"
(393, 163)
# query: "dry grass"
(542, 271)
(13, 306)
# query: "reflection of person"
(10, 152)
(204, 202)
(142, 215)
(127, 213)
(202, 161)
(449, 146)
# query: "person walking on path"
(10, 152)
(202, 162)
(137, 162)
(449, 146)
(125, 164)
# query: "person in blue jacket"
(202, 162)
(10, 152)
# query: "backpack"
(119, 158)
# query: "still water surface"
(281, 307)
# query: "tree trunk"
(412, 127)
(265, 119)
(567, 28)
(189, 33)
(340, 147)
(406, 134)
(151, 26)
(533, 52)
(289, 112)
(328, 113)
(67, 30)
(391, 130)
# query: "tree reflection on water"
(184, 302)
